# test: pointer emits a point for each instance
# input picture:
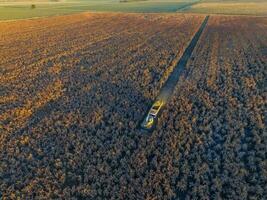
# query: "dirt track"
(175, 70)
(169, 86)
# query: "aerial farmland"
(133, 100)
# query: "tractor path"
(168, 88)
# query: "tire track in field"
(169, 86)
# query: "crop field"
(230, 8)
(214, 130)
(73, 90)
(10, 10)
(21, 9)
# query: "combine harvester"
(150, 120)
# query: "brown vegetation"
(74, 90)
(213, 133)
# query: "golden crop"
(73, 90)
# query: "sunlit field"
(232, 8)
(133, 99)
(75, 88)
(17, 9)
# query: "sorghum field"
(213, 133)
(75, 88)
